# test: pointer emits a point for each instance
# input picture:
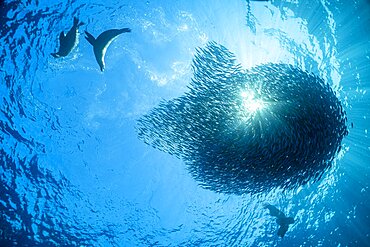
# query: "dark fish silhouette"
(68, 41)
(102, 42)
(281, 219)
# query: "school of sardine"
(248, 131)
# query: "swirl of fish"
(249, 131)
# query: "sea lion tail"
(90, 38)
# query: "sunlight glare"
(250, 103)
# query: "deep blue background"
(72, 169)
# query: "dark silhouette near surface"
(68, 41)
(281, 219)
(102, 42)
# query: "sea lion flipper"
(89, 38)
(61, 36)
(282, 230)
(126, 30)
(77, 23)
(56, 55)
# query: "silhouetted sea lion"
(69, 41)
(102, 42)
(281, 219)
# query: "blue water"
(74, 173)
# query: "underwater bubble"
(248, 131)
